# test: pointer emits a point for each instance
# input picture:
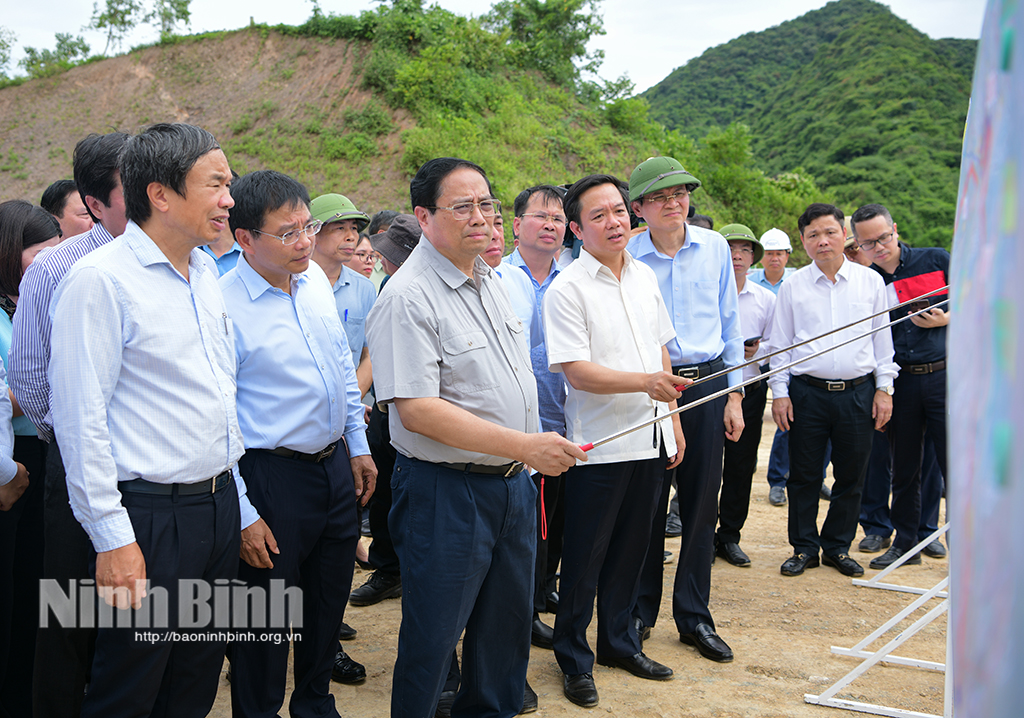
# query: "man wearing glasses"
(919, 404)
(695, 275)
(842, 395)
(451, 356)
(306, 455)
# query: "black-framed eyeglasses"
(464, 210)
(290, 238)
(884, 240)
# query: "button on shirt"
(143, 379)
(30, 346)
(757, 309)
(435, 332)
(296, 382)
(589, 315)
(550, 385)
(810, 305)
(699, 289)
(354, 295)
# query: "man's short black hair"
(571, 203)
(816, 210)
(22, 225)
(164, 153)
(425, 187)
(259, 193)
(869, 211)
(95, 162)
(550, 194)
(701, 220)
(381, 221)
(55, 197)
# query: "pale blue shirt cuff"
(355, 438)
(8, 470)
(246, 511)
(113, 532)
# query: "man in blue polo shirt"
(694, 270)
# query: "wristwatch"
(887, 389)
(739, 390)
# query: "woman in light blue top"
(25, 230)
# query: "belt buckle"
(920, 368)
(690, 372)
(514, 468)
(326, 452)
(835, 385)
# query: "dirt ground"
(780, 629)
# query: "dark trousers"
(64, 656)
(739, 466)
(609, 509)
(778, 460)
(845, 418)
(181, 537)
(466, 546)
(553, 496)
(21, 567)
(874, 504)
(550, 492)
(310, 508)
(919, 410)
(382, 549)
(698, 480)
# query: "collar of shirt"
(446, 270)
(255, 284)
(842, 273)
(234, 248)
(148, 253)
(645, 244)
(593, 265)
(516, 260)
(345, 278)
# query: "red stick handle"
(586, 447)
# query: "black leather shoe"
(347, 633)
(873, 543)
(732, 553)
(934, 550)
(825, 492)
(673, 526)
(639, 665)
(642, 632)
(378, 586)
(551, 602)
(444, 704)
(541, 634)
(892, 556)
(795, 564)
(709, 643)
(529, 700)
(580, 689)
(346, 670)
(667, 558)
(777, 496)
(844, 564)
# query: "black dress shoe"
(580, 689)
(844, 564)
(551, 602)
(364, 526)
(639, 665)
(873, 543)
(347, 633)
(378, 586)
(891, 556)
(642, 632)
(529, 700)
(934, 550)
(346, 670)
(673, 526)
(444, 704)
(795, 564)
(732, 553)
(709, 643)
(541, 634)
(667, 558)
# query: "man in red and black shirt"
(919, 401)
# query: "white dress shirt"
(757, 309)
(810, 305)
(622, 324)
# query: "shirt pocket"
(703, 299)
(522, 343)
(470, 362)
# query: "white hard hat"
(776, 239)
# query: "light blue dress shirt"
(142, 373)
(22, 425)
(225, 262)
(550, 386)
(296, 381)
(8, 469)
(757, 277)
(699, 289)
(354, 295)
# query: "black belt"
(835, 384)
(699, 371)
(210, 486)
(753, 385)
(505, 470)
(324, 453)
(924, 368)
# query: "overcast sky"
(645, 39)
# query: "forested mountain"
(873, 109)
